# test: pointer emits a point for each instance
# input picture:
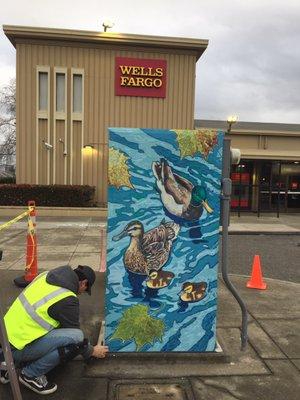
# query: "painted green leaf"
(136, 324)
(200, 141)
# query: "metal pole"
(226, 194)
(259, 200)
(278, 193)
(14, 383)
(240, 192)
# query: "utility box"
(163, 239)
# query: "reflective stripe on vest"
(31, 309)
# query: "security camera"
(48, 145)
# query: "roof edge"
(13, 32)
(264, 128)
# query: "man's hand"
(100, 351)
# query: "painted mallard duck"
(159, 279)
(192, 292)
(148, 250)
(179, 196)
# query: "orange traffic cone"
(31, 268)
(256, 281)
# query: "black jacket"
(66, 311)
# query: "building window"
(43, 91)
(241, 177)
(77, 93)
(60, 92)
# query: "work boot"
(38, 384)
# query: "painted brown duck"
(148, 250)
(159, 279)
(192, 292)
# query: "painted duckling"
(179, 196)
(159, 279)
(148, 250)
(193, 292)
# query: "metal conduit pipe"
(226, 195)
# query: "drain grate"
(153, 390)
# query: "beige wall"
(36, 164)
(273, 146)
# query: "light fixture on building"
(107, 24)
(65, 153)
(88, 147)
(231, 120)
(296, 162)
(93, 145)
(88, 150)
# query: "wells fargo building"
(73, 85)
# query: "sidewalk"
(70, 240)
(267, 370)
(265, 224)
(60, 241)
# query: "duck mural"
(164, 186)
(148, 250)
(159, 279)
(192, 292)
(179, 196)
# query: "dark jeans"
(41, 356)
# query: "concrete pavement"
(267, 223)
(268, 369)
(70, 240)
(61, 241)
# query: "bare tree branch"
(8, 118)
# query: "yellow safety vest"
(27, 319)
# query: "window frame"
(42, 114)
(77, 116)
(60, 115)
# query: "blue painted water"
(194, 256)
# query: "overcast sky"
(251, 67)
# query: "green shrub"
(47, 195)
(7, 179)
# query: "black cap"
(87, 273)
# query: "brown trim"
(100, 46)
(15, 33)
(255, 154)
(45, 115)
(256, 132)
(60, 116)
(248, 132)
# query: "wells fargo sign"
(140, 77)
